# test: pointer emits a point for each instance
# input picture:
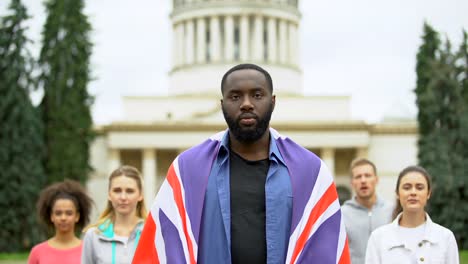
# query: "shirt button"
(421, 259)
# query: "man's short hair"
(359, 162)
(247, 66)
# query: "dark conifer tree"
(442, 130)
(64, 60)
(21, 141)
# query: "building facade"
(209, 37)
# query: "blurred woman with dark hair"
(412, 237)
(64, 208)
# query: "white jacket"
(437, 246)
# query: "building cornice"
(374, 129)
(229, 64)
(194, 10)
(410, 128)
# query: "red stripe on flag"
(345, 257)
(145, 252)
(177, 190)
(325, 201)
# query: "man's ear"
(273, 101)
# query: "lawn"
(464, 257)
(14, 256)
(24, 256)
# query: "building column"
(175, 52)
(244, 37)
(189, 42)
(283, 52)
(215, 39)
(149, 175)
(328, 156)
(114, 159)
(228, 38)
(258, 39)
(293, 48)
(272, 37)
(201, 40)
(179, 44)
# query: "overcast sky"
(364, 48)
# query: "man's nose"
(246, 103)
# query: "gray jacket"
(360, 222)
(100, 246)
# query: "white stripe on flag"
(323, 182)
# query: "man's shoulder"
(350, 208)
(385, 204)
(286, 144)
(349, 204)
(206, 146)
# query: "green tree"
(425, 57)
(442, 119)
(21, 146)
(64, 60)
(462, 179)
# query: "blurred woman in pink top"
(64, 208)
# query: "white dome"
(209, 37)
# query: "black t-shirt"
(247, 187)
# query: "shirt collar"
(430, 234)
(274, 153)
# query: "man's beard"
(248, 134)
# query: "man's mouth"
(247, 119)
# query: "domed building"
(209, 37)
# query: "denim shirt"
(215, 233)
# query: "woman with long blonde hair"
(115, 235)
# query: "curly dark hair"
(68, 189)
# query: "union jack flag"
(172, 228)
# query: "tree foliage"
(21, 146)
(64, 60)
(442, 102)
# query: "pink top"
(44, 254)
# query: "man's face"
(247, 104)
(364, 181)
